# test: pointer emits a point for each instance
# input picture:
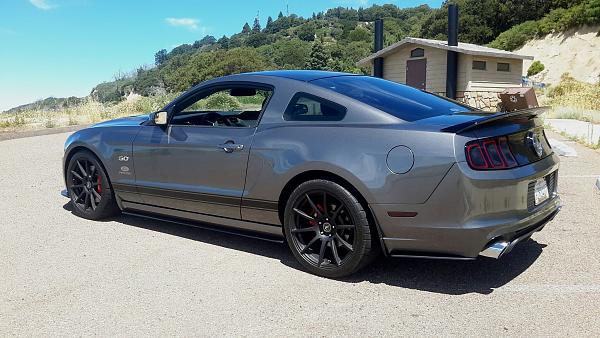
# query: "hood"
(124, 121)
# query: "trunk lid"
(524, 131)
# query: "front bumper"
(65, 193)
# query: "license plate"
(541, 191)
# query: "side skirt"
(261, 231)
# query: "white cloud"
(42, 4)
(354, 3)
(189, 23)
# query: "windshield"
(402, 101)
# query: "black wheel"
(327, 229)
(89, 188)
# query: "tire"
(89, 187)
(327, 229)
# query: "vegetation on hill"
(535, 68)
(577, 13)
(572, 93)
(49, 104)
(332, 40)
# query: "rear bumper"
(504, 244)
(469, 213)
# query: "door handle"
(230, 147)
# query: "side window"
(239, 107)
(306, 107)
(479, 65)
(503, 67)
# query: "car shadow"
(481, 276)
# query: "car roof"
(302, 75)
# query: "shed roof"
(466, 48)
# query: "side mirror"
(160, 118)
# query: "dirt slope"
(575, 51)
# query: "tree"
(288, 54)
(535, 68)
(318, 59)
(360, 34)
(208, 40)
(160, 57)
(280, 15)
(256, 26)
(224, 42)
(269, 22)
(181, 49)
(256, 39)
(246, 29)
(306, 32)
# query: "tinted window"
(402, 101)
(306, 107)
(479, 65)
(503, 67)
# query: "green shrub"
(222, 101)
(50, 123)
(72, 119)
(535, 68)
(516, 36)
(558, 20)
(18, 121)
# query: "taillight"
(490, 154)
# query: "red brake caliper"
(99, 184)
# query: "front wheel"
(327, 229)
(89, 188)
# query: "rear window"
(404, 102)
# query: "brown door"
(416, 71)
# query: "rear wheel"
(327, 229)
(89, 188)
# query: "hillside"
(49, 104)
(332, 40)
(576, 51)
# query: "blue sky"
(65, 47)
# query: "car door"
(191, 165)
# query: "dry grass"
(89, 112)
(572, 99)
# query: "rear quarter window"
(307, 107)
(404, 102)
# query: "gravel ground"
(64, 276)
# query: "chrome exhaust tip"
(495, 250)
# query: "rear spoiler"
(520, 114)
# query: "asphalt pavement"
(61, 275)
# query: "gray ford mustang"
(342, 167)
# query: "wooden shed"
(482, 72)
